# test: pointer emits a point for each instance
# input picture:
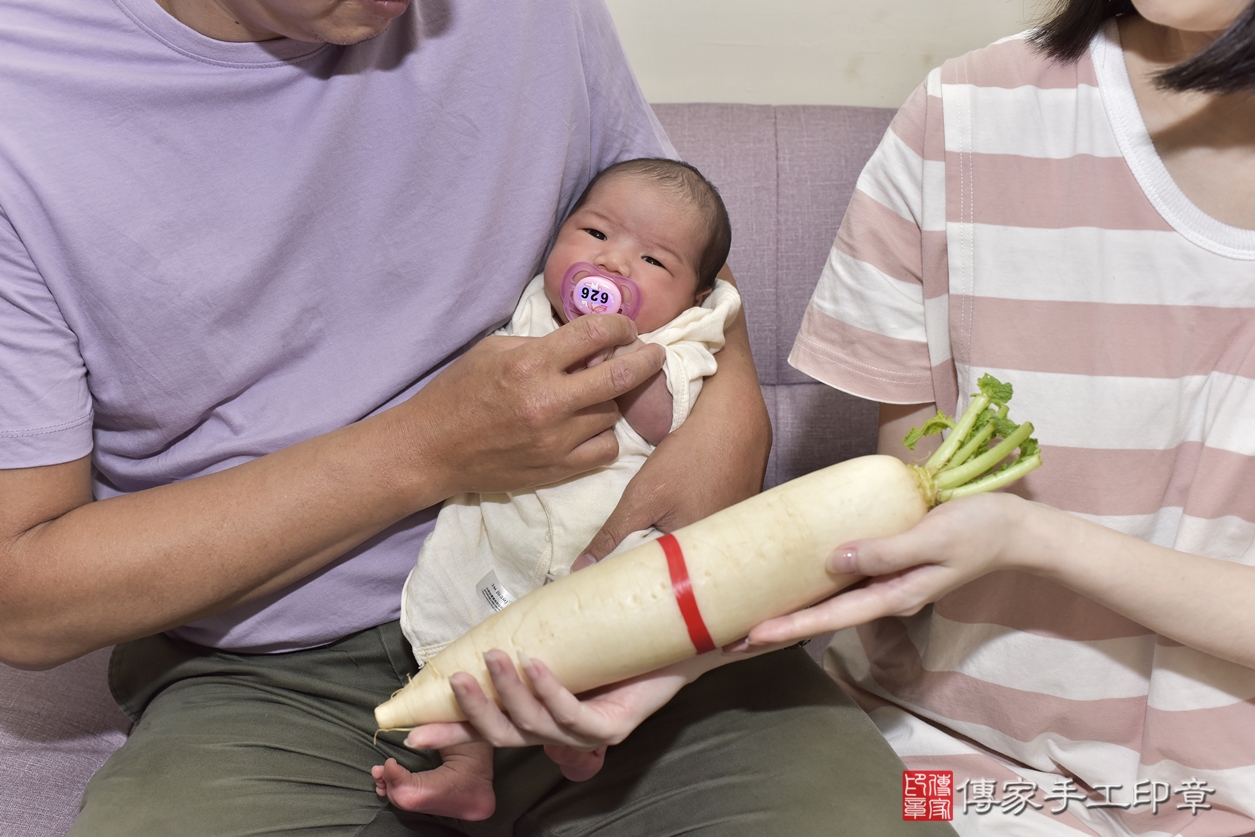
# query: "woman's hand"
(576, 732)
(954, 544)
(1201, 602)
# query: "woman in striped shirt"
(1073, 211)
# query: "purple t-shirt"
(210, 251)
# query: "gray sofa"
(786, 174)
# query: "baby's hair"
(690, 184)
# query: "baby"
(646, 239)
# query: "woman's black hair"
(685, 180)
(1227, 65)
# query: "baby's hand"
(618, 351)
(648, 407)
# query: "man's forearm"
(731, 407)
(107, 571)
(78, 575)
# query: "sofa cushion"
(56, 728)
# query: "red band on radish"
(683, 590)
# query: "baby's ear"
(701, 296)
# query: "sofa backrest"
(786, 174)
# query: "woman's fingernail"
(525, 663)
(585, 560)
(458, 687)
(843, 560)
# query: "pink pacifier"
(586, 289)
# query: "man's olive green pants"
(230, 744)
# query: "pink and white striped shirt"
(1017, 220)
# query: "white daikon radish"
(707, 584)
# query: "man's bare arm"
(79, 575)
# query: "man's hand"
(81, 574)
(519, 412)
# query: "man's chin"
(358, 22)
(349, 38)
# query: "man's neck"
(214, 20)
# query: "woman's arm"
(1205, 603)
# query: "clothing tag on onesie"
(492, 591)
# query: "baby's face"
(636, 229)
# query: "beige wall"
(847, 52)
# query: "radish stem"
(979, 440)
(993, 481)
(959, 435)
(964, 463)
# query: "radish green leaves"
(976, 455)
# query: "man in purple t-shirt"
(248, 253)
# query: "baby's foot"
(576, 765)
(460, 788)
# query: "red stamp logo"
(927, 795)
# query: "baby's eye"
(653, 261)
(597, 234)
